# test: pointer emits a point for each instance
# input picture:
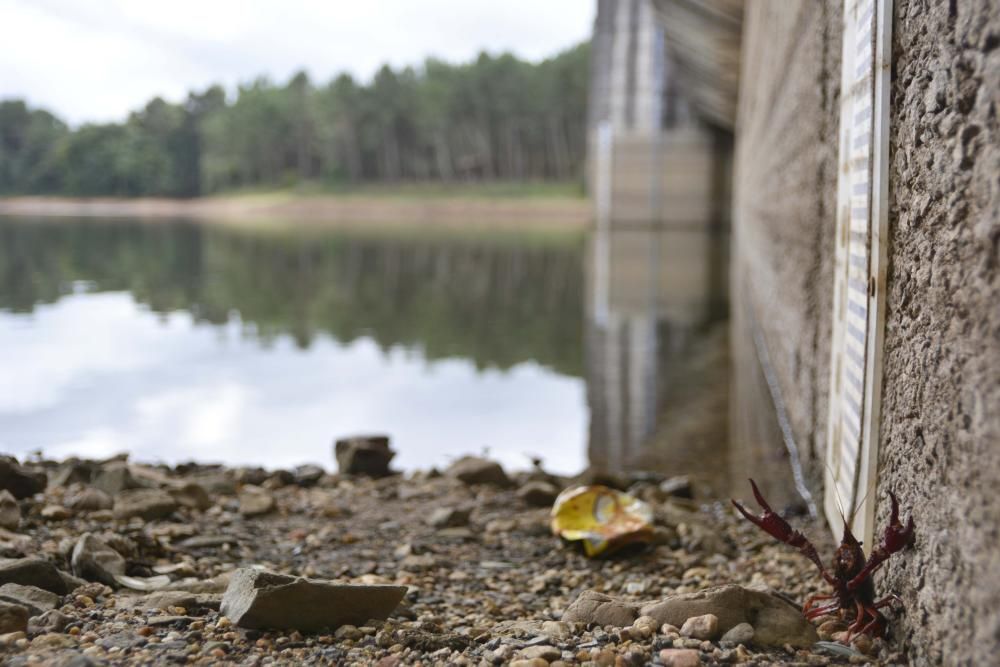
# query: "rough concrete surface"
(941, 391)
(783, 231)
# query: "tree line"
(496, 118)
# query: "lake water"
(176, 341)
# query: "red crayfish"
(850, 573)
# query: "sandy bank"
(554, 212)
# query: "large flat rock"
(260, 599)
(775, 621)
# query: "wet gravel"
(487, 581)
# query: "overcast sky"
(96, 60)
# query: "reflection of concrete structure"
(659, 178)
(661, 288)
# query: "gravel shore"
(486, 581)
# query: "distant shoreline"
(350, 209)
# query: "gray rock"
(149, 504)
(113, 478)
(538, 493)
(259, 599)
(94, 560)
(307, 475)
(36, 600)
(89, 499)
(679, 487)
(255, 501)
(738, 634)
(51, 621)
(10, 511)
(13, 618)
(776, 621)
(364, 455)
(449, 517)
(21, 482)
(74, 471)
(192, 495)
(32, 572)
(595, 608)
(477, 470)
(216, 483)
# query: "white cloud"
(94, 375)
(100, 59)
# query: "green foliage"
(495, 119)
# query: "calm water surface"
(175, 342)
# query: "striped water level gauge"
(859, 285)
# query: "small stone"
(113, 478)
(863, 643)
(32, 572)
(255, 501)
(603, 658)
(705, 626)
(307, 475)
(260, 599)
(55, 513)
(544, 652)
(348, 632)
(364, 455)
(644, 627)
(52, 640)
(679, 487)
(18, 480)
(36, 600)
(538, 493)
(89, 499)
(741, 633)
(10, 512)
(531, 662)
(192, 495)
(680, 657)
(13, 618)
(94, 560)
(11, 638)
(477, 470)
(557, 629)
(148, 504)
(828, 629)
(449, 517)
(50, 621)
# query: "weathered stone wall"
(940, 444)
(783, 234)
(940, 428)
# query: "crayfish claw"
(760, 499)
(770, 522)
(896, 535)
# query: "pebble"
(705, 626)
(485, 584)
(741, 633)
(680, 657)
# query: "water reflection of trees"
(496, 302)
